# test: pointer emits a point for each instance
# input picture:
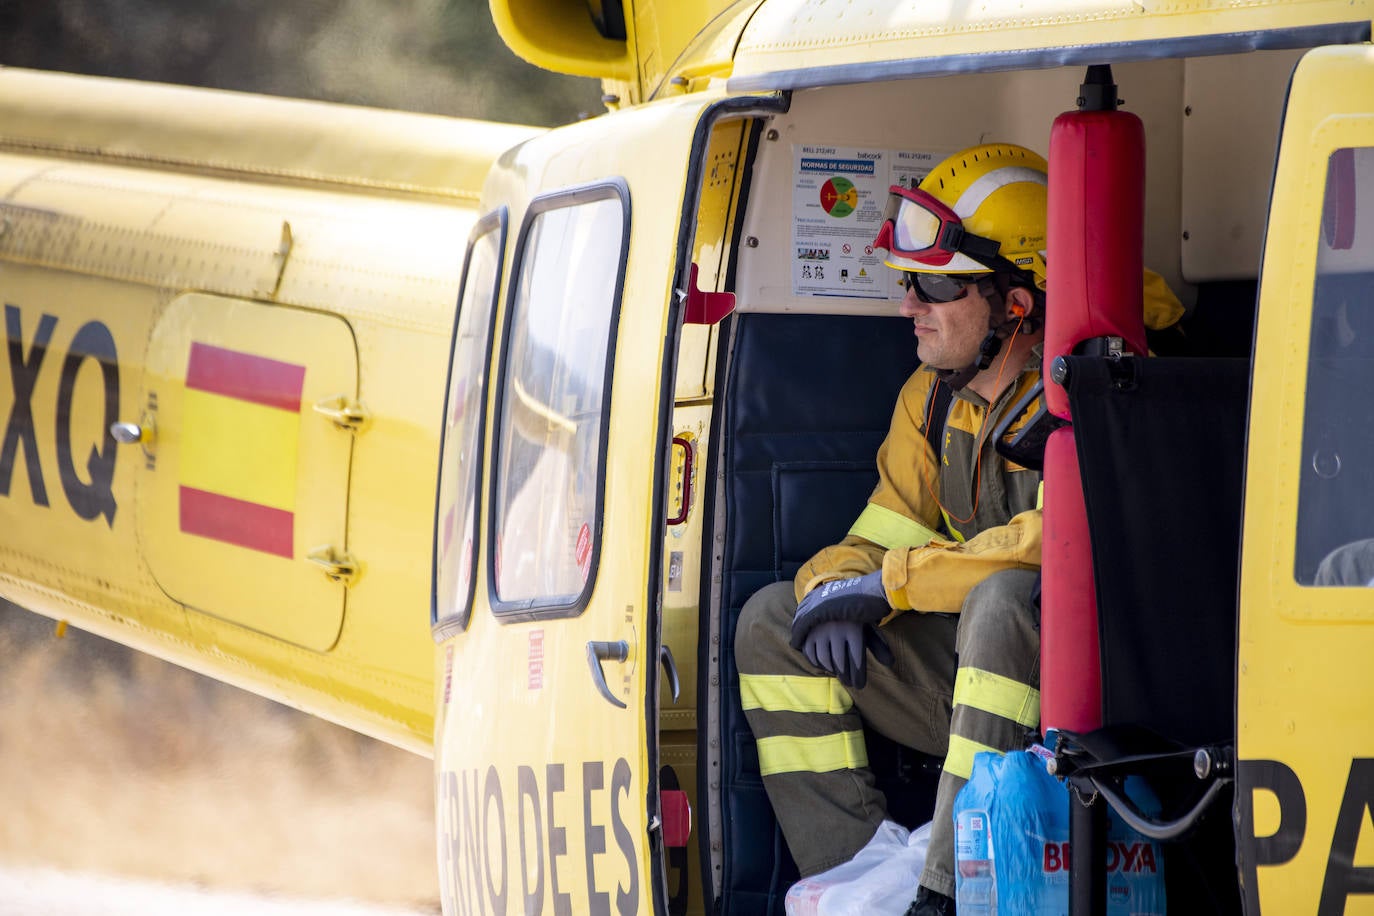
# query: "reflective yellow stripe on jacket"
(890, 529)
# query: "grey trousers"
(960, 683)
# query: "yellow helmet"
(979, 211)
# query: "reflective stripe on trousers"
(810, 731)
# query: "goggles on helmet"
(938, 287)
(918, 227)
(914, 225)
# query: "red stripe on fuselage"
(236, 521)
(246, 377)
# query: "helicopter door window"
(553, 402)
(455, 536)
(1335, 537)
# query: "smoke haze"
(114, 762)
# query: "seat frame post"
(1087, 853)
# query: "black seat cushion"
(805, 402)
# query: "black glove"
(838, 647)
(860, 603)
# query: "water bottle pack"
(1011, 844)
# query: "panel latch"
(344, 412)
(337, 565)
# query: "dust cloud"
(114, 762)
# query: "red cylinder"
(1070, 665)
(1094, 262)
(1095, 235)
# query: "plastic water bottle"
(976, 864)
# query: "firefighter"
(951, 532)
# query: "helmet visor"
(914, 223)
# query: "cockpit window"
(1335, 538)
(554, 402)
(460, 463)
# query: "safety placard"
(839, 194)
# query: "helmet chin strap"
(992, 342)
(987, 352)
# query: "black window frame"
(529, 609)
(495, 221)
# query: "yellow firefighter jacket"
(986, 517)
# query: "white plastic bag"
(880, 879)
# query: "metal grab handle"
(665, 657)
(686, 445)
(597, 652)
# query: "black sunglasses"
(939, 287)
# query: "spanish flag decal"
(241, 431)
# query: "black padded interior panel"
(806, 401)
(1162, 457)
(1162, 460)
